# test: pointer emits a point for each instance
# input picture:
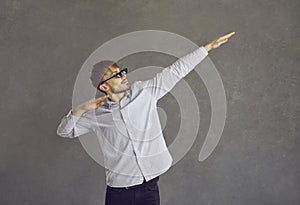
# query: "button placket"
(132, 144)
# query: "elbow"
(62, 134)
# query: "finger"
(218, 42)
(100, 104)
(227, 36)
(223, 41)
(101, 98)
(100, 101)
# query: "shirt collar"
(113, 103)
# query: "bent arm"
(72, 126)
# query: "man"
(133, 146)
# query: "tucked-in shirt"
(132, 141)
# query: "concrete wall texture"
(44, 44)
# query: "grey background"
(44, 43)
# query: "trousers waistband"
(152, 181)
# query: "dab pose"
(133, 146)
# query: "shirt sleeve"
(72, 126)
(165, 80)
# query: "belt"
(152, 181)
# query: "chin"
(123, 89)
(128, 86)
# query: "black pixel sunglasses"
(117, 75)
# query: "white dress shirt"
(132, 141)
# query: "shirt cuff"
(203, 51)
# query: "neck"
(116, 97)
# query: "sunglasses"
(117, 75)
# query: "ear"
(103, 88)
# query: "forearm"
(78, 111)
(188, 62)
(165, 80)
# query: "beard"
(121, 88)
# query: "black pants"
(146, 193)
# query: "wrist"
(208, 47)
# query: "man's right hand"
(91, 104)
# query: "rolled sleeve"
(72, 126)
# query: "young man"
(134, 149)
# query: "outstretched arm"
(165, 80)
